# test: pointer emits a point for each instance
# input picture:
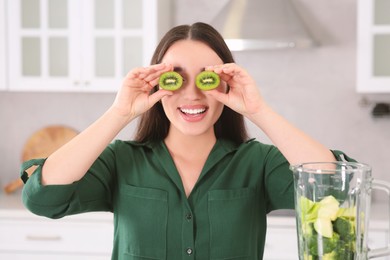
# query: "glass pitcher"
(332, 202)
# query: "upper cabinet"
(72, 45)
(373, 70)
(2, 47)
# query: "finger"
(153, 72)
(134, 73)
(133, 81)
(237, 77)
(158, 95)
(144, 72)
(223, 68)
(219, 96)
(147, 77)
(155, 67)
(225, 71)
(227, 100)
(225, 77)
(233, 71)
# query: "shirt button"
(188, 216)
(189, 251)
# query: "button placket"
(188, 233)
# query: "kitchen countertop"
(11, 201)
(280, 223)
(11, 205)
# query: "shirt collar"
(220, 150)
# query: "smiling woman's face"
(189, 109)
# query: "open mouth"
(195, 111)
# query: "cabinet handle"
(43, 238)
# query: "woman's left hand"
(244, 96)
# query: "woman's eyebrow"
(180, 69)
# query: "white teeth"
(193, 111)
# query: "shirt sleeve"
(91, 193)
(279, 181)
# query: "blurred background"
(315, 63)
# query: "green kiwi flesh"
(207, 80)
(170, 80)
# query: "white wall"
(313, 88)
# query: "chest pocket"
(142, 221)
(231, 216)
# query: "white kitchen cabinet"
(281, 244)
(373, 46)
(90, 236)
(2, 47)
(85, 236)
(50, 257)
(71, 45)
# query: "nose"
(190, 90)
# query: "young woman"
(191, 185)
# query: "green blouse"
(223, 218)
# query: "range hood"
(261, 25)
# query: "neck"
(190, 145)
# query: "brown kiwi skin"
(176, 78)
(207, 86)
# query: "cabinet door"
(113, 41)
(71, 45)
(21, 256)
(281, 243)
(43, 44)
(66, 237)
(2, 46)
(373, 71)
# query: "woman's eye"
(184, 79)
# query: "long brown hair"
(154, 125)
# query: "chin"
(192, 131)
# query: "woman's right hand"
(134, 97)
(80, 153)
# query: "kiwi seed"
(207, 80)
(170, 80)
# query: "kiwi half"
(170, 80)
(207, 80)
